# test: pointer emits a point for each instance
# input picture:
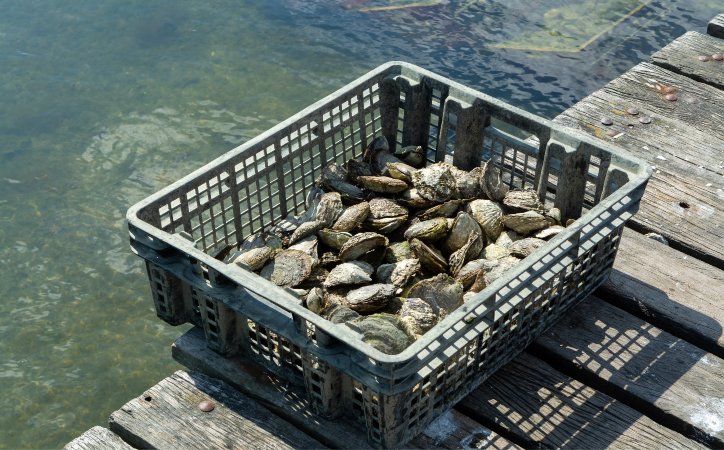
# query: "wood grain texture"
(97, 438)
(668, 289)
(683, 142)
(716, 27)
(666, 378)
(541, 407)
(682, 56)
(452, 430)
(167, 417)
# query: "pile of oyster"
(390, 247)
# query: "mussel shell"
(353, 272)
(430, 259)
(378, 143)
(489, 215)
(357, 168)
(398, 273)
(435, 182)
(523, 200)
(307, 229)
(447, 209)
(441, 292)
(549, 232)
(384, 207)
(398, 251)
(525, 222)
(333, 238)
(383, 332)
(348, 192)
(360, 244)
(412, 199)
(289, 268)
(400, 171)
(382, 185)
(428, 230)
(525, 247)
(491, 183)
(385, 225)
(378, 162)
(370, 298)
(417, 317)
(463, 226)
(413, 155)
(352, 217)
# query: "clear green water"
(104, 102)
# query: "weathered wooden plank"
(682, 56)
(684, 200)
(167, 416)
(97, 438)
(671, 381)
(451, 430)
(532, 402)
(716, 27)
(668, 289)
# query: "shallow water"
(102, 103)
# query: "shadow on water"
(625, 360)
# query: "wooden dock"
(638, 365)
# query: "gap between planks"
(682, 56)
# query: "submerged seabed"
(104, 102)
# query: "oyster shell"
(338, 313)
(383, 332)
(526, 222)
(254, 258)
(549, 232)
(398, 273)
(468, 183)
(329, 208)
(384, 207)
(429, 230)
(385, 225)
(258, 240)
(315, 300)
(447, 209)
(435, 182)
(378, 143)
(333, 238)
(309, 246)
(370, 298)
(470, 271)
(336, 295)
(357, 168)
(570, 222)
(316, 278)
(314, 196)
(498, 271)
(329, 259)
(507, 237)
(489, 215)
(361, 244)
(525, 247)
(417, 317)
(354, 272)
(413, 155)
(467, 252)
(400, 171)
(461, 230)
(352, 217)
(428, 256)
(349, 193)
(555, 214)
(412, 199)
(333, 172)
(441, 292)
(374, 257)
(491, 183)
(382, 185)
(493, 252)
(523, 200)
(398, 251)
(307, 229)
(289, 268)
